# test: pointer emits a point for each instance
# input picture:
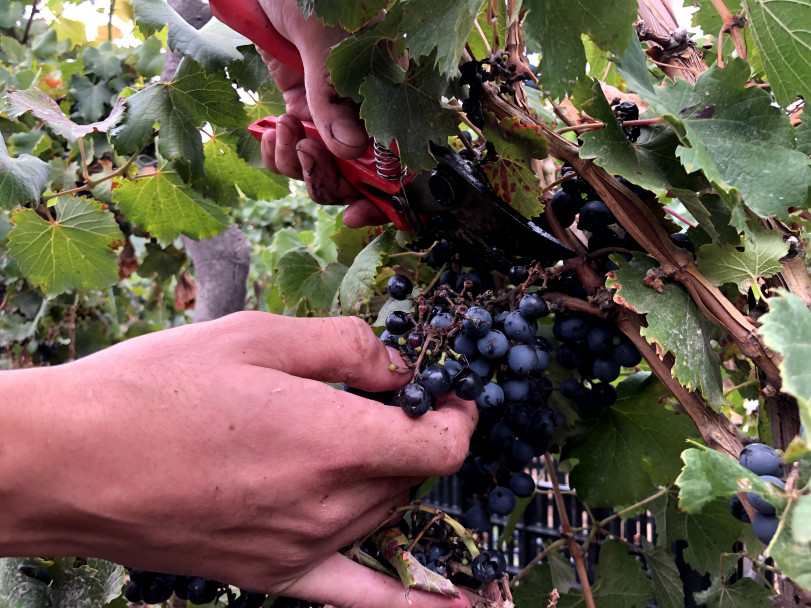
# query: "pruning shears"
(452, 201)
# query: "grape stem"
(566, 532)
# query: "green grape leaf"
(801, 519)
(786, 328)
(22, 179)
(351, 241)
(619, 581)
(780, 32)
(43, 107)
(213, 46)
(442, 26)
(707, 534)
(369, 51)
(731, 132)
(167, 207)
(10, 13)
(675, 324)
(77, 588)
(760, 259)
(76, 250)
(512, 176)
(226, 172)
(161, 263)
(18, 590)
(708, 475)
(251, 72)
(667, 584)
(180, 107)
(637, 436)
(302, 277)
(358, 284)
(150, 58)
(102, 60)
(110, 575)
(91, 98)
(405, 111)
(743, 593)
(554, 29)
(350, 14)
(535, 587)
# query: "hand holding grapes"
(216, 449)
(286, 149)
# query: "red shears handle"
(249, 19)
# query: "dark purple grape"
(543, 358)
(475, 287)
(519, 328)
(476, 518)
(533, 306)
(761, 459)
(566, 203)
(481, 365)
(492, 397)
(493, 344)
(595, 216)
(467, 385)
(181, 587)
(521, 453)
(606, 369)
(627, 355)
(571, 329)
(465, 344)
(522, 359)
(605, 395)
(501, 435)
(478, 321)
(436, 380)
(765, 527)
(483, 569)
(516, 389)
(600, 341)
(571, 388)
(501, 501)
(413, 399)
(157, 592)
(518, 274)
(453, 367)
(737, 510)
(448, 277)
(759, 502)
(390, 339)
(522, 484)
(398, 323)
(415, 339)
(440, 320)
(399, 287)
(202, 590)
(133, 592)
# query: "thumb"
(341, 582)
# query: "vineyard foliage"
(105, 166)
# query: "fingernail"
(306, 162)
(349, 133)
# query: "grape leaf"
(554, 29)
(512, 176)
(76, 250)
(443, 26)
(786, 328)
(801, 519)
(10, 13)
(708, 475)
(77, 588)
(619, 581)
(350, 14)
(675, 324)
(351, 241)
(301, 276)
(357, 286)
(22, 179)
(150, 58)
(637, 436)
(225, 171)
(707, 534)
(731, 132)
(43, 107)
(405, 111)
(667, 584)
(180, 107)
(213, 46)
(322, 246)
(390, 543)
(535, 587)
(760, 258)
(780, 32)
(166, 207)
(102, 60)
(18, 590)
(743, 593)
(91, 98)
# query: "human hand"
(215, 449)
(286, 149)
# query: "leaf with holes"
(45, 108)
(167, 207)
(76, 250)
(511, 175)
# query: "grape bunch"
(762, 460)
(154, 588)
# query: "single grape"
(413, 399)
(492, 396)
(398, 323)
(519, 328)
(605, 395)
(737, 510)
(483, 569)
(465, 344)
(571, 388)
(759, 502)
(543, 358)
(522, 359)
(566, 203)
(481, 365)
(202, 590)
(399, 287)
(467, 385)
(501, 435)
(390, 339)
(627, 355)
(521, 453)
(606, 369)
(441, 320)
(157, 592)
(761, 459)
(533, 306)
(518, 274)
(181, 587)
(415, 339)
(478, 321)
(600, 341)
(516, 389)
(493, 344)
(436, 380)
(133, 592)
(475, 287)
(522, 484)
(453, 367)
(595, 216)
(501, 501)
(571, 329)
(765, 527)
(476, 518)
